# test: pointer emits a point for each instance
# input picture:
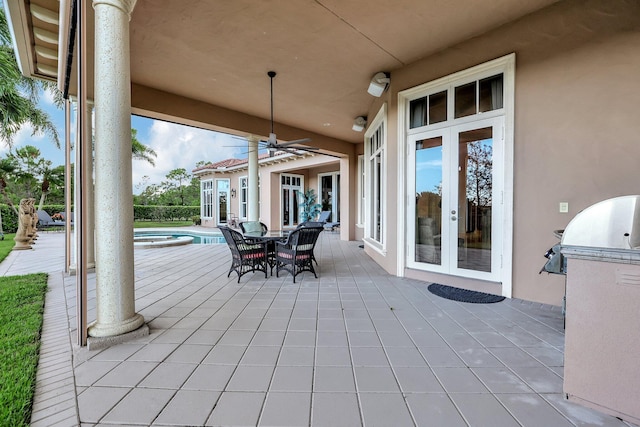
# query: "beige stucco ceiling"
(324, 51)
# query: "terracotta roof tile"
(228, 163)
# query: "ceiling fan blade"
(296, 141)
(301, 147)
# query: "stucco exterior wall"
(577, 96)
(270, 211)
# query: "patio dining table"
(271, 237)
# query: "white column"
(254, 199)
(115, 293)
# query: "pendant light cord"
(271, 75)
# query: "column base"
(98, 343)
(112, 329)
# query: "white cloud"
(24, 137)
(48, 98)
(179, 146)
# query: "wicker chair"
(310, 224)
(246, 256)
(295, 255)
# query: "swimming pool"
(166, 238)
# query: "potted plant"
(310, 209)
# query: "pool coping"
(179, 241)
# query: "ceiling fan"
(272, 144)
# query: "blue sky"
(177, 146)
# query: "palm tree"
(7, 167)
(19, 95)
(141, 151)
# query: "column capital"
(125, 6)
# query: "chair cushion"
(245, 247)
(252, 227)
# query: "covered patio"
(356, 346)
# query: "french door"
(291, 193)
(456, 174)
(330, 194)
(222, 197)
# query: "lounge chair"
(45, 220)
(246, 255)
(326, 224)
(295, 255)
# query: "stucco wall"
(270, 212)
(576, 122)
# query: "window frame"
(376, 182)
(243, 203)
(204, 201)
(361, 188)
(505, 64)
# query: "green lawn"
(21, 308)
(6, 245)
(154, 224)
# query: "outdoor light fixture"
(359, 123)
(378, 83)
(233, 193)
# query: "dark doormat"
(463, 295)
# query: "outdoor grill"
(602, 337)
(612, 224)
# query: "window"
(206, 190)
(361, 181)
(244, 197)
(375, 170)
(467, 99)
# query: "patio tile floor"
(354, 347)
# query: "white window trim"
(202, 198)
(302, 188)
(216, 199)
(240, 201)
(335, 204)
(506, 65)
(380, 119)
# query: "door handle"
(453, 218)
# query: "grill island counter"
(602, 336)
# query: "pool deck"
(356, 346)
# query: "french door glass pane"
(337, 200)
(475, 184)
(222, 200)
(326, 199)
(429, 200)
(297, 196)
(286, 202)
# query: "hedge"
(10, 219)
(165, 213)
(140, 212)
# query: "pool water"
(197, 238)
